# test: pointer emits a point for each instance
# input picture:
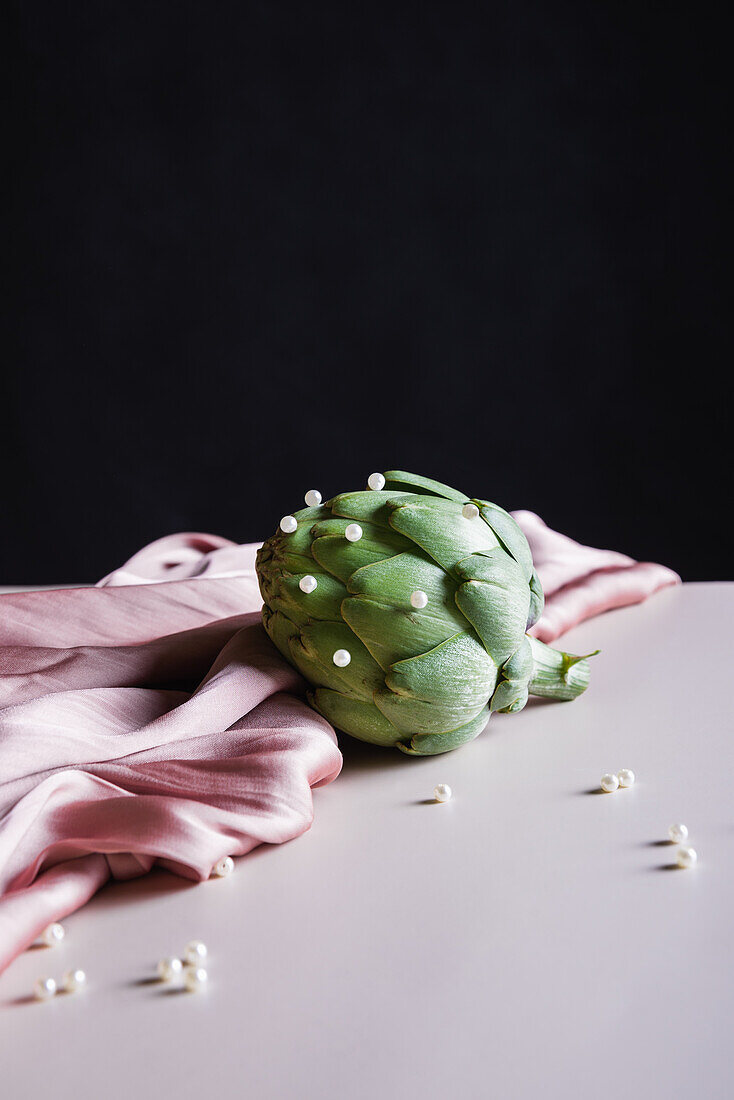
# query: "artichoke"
(405, 607)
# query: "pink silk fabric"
(150, 720)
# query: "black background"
(261, 247)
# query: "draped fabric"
(150, 720)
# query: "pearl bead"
(678, 833)
(169, 970)
(53, 934)
(74, 981)
(418, 599)
(313, 498)
(609, 782)
(224, 867)
(288, 524)
(195, 952)
(342, 657)
(307, 584)
(626, 777)
(195, 979)
(442, 792)
(470, 511)
(376, 482)
(353, 533)
(687, 857)
(44, 989)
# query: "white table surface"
(527, 939)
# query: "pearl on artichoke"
(442, 792)
(53, 934)
(376, 482)
(687, 857)
(353, 532)
(609, 782)
(678, 833)
(470, 511)
(288, 524)
(170, 970)
(418, 599)
(313, 498)
(307, 584)
(195, 979)
(74, 981)
(626, 777)
(342, 657)
(195, 952)
(223, 867)
(44, 989)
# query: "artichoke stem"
(558, 675)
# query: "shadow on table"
(155, 883)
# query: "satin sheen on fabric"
(150, 720)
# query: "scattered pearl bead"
(418, 599)
(626, 777)
(342, 657)
(353, 533)
(376, 482)
(307, 584)
(44, 989)
(313, 498)
(53, 934)
(442, 792)
(195, 979)
(224, 867)
(687, 857)
(170, 970)
(609, 782)
(74, 981)
(470, 511)
(678, 833)
(195, 952)
(288, 524)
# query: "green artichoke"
(406, 609)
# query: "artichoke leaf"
(394, 634)
(458, 672)
(495, 599)
(342, 558)
(324, 603)
(508, 535)
(354, 716)
(402, 481)
(430, 744)
(440, 529)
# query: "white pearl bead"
(353, 533)
(288, 524)
(74, 981)
(678, 833)
(418, 599)
(307, 584)
(442, 792)
(195, 979)
(626, 777)
(687, 857)
(470, 511)
(195, 952)
(169, 970)
(376, 482)
(53, 934)
(313, 498)
(44, 989)
(342, 657)
(224, 867)
(609, 782)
